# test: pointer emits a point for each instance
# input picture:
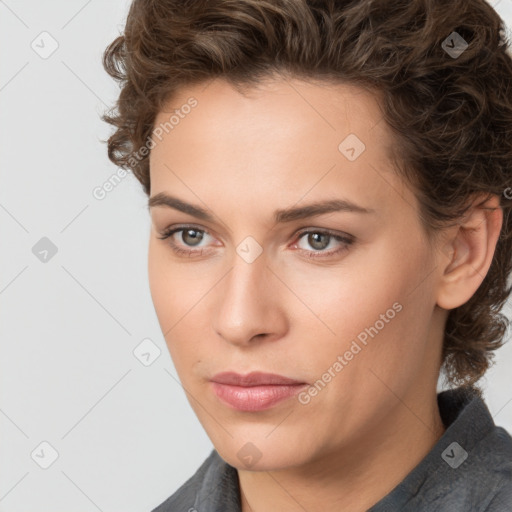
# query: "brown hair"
(451, 115)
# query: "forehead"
(276, 104)
(279, 139)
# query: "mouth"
(255, 391)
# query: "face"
(338, 298)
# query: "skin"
(241, 157)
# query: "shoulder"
(495, 453)
(497, 448)
(501, 498)
(502, 501)
(483, 481)
(499, 444)
(469, 468)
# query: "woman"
(328, 184)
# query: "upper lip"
(253, 379)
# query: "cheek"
(375, 308)
(178, 292)
(160, 284)
(168, 292)
(175, 288)
(350, 296)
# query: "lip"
(255, 391)
(253, 379)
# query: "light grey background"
(125, 435)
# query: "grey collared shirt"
(468, 470)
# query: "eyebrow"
(280, 216)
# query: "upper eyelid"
(333, 232)
(341, 236)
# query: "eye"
(321, 239)
(190, 236)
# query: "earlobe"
(467, 256)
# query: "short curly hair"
(450, 113)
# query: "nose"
(249, 304)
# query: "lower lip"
(255, 398)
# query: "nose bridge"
(249, 270)
(248, 301)
(246, 284)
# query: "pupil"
(314, 240)
(196, 238)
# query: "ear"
(468, 251)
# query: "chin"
(262, 456)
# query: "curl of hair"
(451, 117)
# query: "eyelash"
(347, 240)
